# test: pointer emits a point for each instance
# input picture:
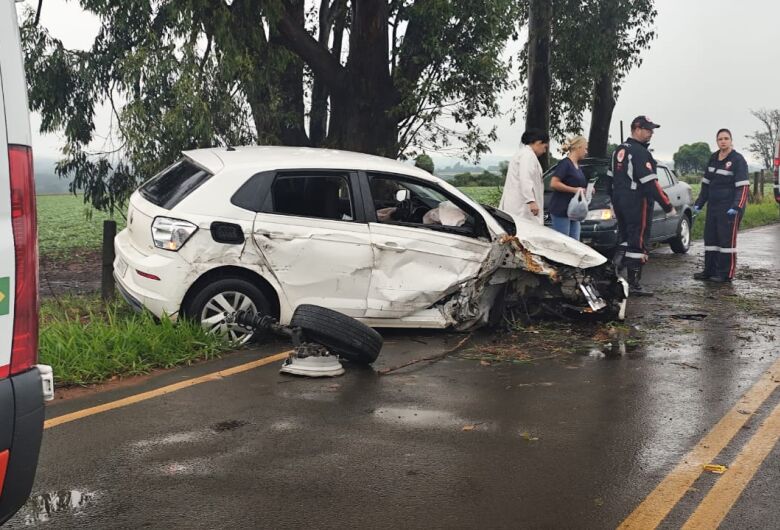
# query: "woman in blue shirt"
(566, 181)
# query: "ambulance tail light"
(24, 351)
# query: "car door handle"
(390, 245)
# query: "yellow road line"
(668, 493)
(214, 376)
(729, 487)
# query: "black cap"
(643, 122)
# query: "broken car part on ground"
(320, 336)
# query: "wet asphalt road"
(576, 440)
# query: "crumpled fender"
(555, 246)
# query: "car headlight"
(171, 234)
(600, 215)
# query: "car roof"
(260, 157)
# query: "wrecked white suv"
(267, 229)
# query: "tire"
(342, 335)
(235, 292)
(681, 243)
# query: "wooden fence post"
(107, 274)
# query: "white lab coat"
(523, 185)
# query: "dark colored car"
(599, 230)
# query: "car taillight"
(24, 352)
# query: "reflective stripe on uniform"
(635, 255)
(609, 173)
(630, 171)
(705, 180)
(624, 244)
(728, 251)
(724, 172)
(711, 249)
(711, 169)
(777, 186)
(742, 183)
(648, 178)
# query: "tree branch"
(320, 60)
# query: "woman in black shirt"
(567, 180)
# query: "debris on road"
(715, 468)
(687, 365)
(431, 359)
(690, 316)
(320, 336)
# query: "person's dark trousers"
(635, 218)
(720, 242)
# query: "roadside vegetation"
(86, 341)
(65, 224)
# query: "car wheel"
(215, 308)
(682, 242)
(342, 335)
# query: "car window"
(322, 196)
(664, 177)
(170, 186)
(425, 207)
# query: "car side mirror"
(402, 195)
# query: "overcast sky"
(712, 62)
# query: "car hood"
(555, 246)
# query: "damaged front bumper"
(517, 282)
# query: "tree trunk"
(290, 89)
(318, 117)
(360, 117)
(601, 118)
(539, 77)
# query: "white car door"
(419, 260)
(314, 242)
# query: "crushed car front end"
(534, 271)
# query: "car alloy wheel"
(685, 232)
(219, 312)
(682, 241)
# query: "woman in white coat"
(523, 194)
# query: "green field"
(65, 224)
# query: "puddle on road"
(41, 508)
(418, 417)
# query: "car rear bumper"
(161, 296)
(21, 429)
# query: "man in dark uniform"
(635, 188)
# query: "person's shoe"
(637, 290)
(701, 276)
(719, 279)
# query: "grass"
(65, 223)
(490, 195)
(86, 341)
(756, 214)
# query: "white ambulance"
(24, 385)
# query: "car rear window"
(169, 187)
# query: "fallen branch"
(431, 359)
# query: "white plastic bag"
(578, 207)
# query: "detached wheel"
(681, 243)
(342, 335)
(215, 308)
